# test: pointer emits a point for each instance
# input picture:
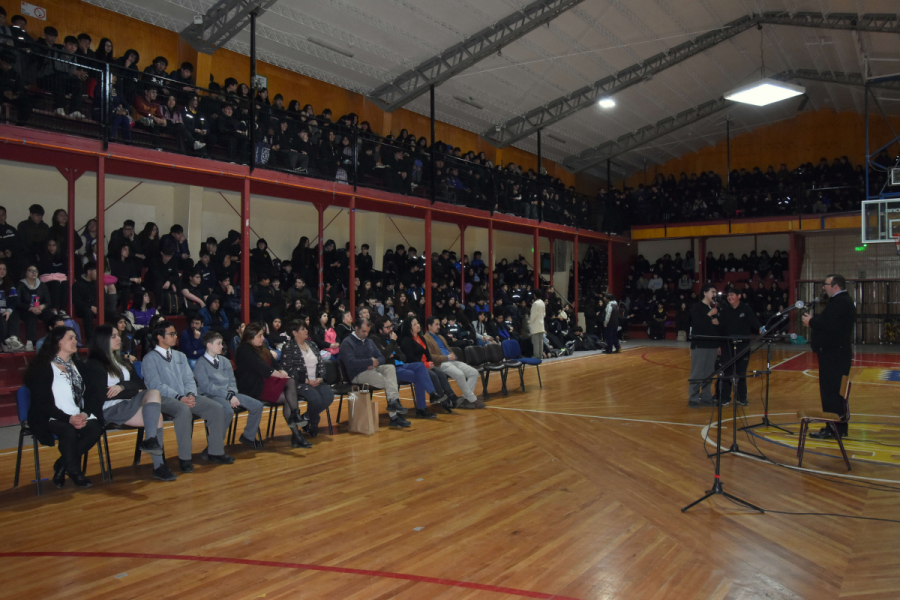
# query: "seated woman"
(123, 268)
(301, 360)
(58, 408)
(324, 336)
(144, 312)
(258, 379)
(126, 335)
(215, 380)
(115, 392)
(33, 304)
(414, 349)
(53, 274)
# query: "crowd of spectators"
(819, 188)
(164, 107)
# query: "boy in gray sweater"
(165, 369)
(215, 380)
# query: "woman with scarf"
(301, 359)
(58, 410)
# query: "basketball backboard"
(880, 221)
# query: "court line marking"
(712, 442)
(788, 359)
(548, 412)
(893, 385)
(297, 566)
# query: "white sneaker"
(198, 145)
(29, 347)
(77, 115)
(14, 345)
(60, 111)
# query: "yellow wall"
(71, 17)
(805, 138)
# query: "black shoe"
(298, 441)
(296, 419)
(151, 446)
(823, 434)
(248, 442)
(80, 480)
(448, 406)
(395, 406)
(186, 466)
(59, 473)
(164, 473)
(222, 459)
(744, 402)
(726, 403)
(422, 413)
(454, 401)
(438, 398)
(398, 421)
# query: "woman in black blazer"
(58, 408)
(256, 377)
(415, 350)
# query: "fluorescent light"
(765, 91)
(470, 101)
(328, 46)
(606, 103)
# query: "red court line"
(299, 566)
(644, 356)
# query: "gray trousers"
(537, 342)
(465, 377)
(208, 410)
(254, 413)
(703, 363)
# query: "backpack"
(169, 302)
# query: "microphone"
(784, 336)
(796, 306)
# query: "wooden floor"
(570, 491)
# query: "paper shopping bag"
(363, 418)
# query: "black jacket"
(84, 295)
(832, 330)
(702, 325)
(43, 406)
(413, 351)
(738, 321)
(251, 371)
(95, 384)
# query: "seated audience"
(465, 376)
(301, 360)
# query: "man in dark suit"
(831, 338)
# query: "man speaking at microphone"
(831, 336)
(737, 320)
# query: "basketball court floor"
(573, 490)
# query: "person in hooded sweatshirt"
(261, 259)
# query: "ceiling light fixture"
(765, 92)
(606, 102)
(328, 46)
(470, 101)
(555, 138)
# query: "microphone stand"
(720, 375)
(769, 340)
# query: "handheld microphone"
(785, 336)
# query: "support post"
(610, 267)
(71, 174)
(252, 125)
(491, 264)
(551, 261)
(537, 254)
(321, 209)
(428, 262)
(101, 232)
(700, 259)
(728, 152)
(462, 264)
(245, 251)
(575, 295)
(351, 292)
(433, 172)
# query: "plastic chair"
(138, 368)
(23, 404)
(496, 363)
(831, 420)
(514, 358)
(474, 357)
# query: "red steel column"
(491, 265)
(101, 225)
(352, 291)
(462, 265)
(428, 262)
(536, 259)
(245, 252)
(575, 299)
(71, 177)
(610, 267)
(551, 261)
(321, 209)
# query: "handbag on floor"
(363, 411)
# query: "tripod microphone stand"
(770, 336)
(719, 374)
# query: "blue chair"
(514, 359)
(23, 403)
(138, 368)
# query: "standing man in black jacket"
(738, 319)
(704, 322)
(831, 339)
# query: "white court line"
(547, 412)
(787, 359)
(705, 434)
(893, 385)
